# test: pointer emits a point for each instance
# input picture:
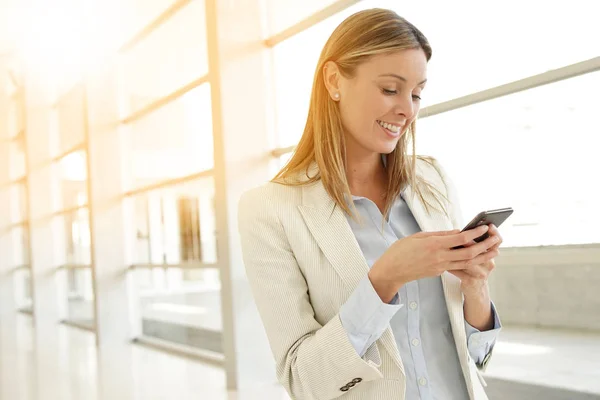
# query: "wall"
(550, 287)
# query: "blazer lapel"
(329, 226)
(437, 221)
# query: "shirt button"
(416, 342)
(413, 305)
(422, 381)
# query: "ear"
(331, 77)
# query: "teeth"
(390, 127)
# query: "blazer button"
(351, 384)
(344, 388)
(357, 380)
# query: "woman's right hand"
(428, 254)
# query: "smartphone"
(496, 217)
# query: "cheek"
(356, 114)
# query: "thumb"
(437, 233)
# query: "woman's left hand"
(473, 279)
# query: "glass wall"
(14, 138)
(172, 142)
(165, 105)
(170, 57)
(541, 157)
(70, 220)
(178, 286)
(532, 142)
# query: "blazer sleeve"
(313, 361)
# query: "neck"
(364, 170)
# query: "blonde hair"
(359, 37)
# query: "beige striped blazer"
(303, 262)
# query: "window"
(16, 157)
(172, 142)
(172, 56)
(71, 117)
(72, 237)
(280, 15)
(472, 48)
(18, 203)
(179, 301)
(71, 172)
(175, 224)
(294, 62)
(536, 144)
(535, 151)
(20, 245)
(79, 296)
(22, 282)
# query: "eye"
(415, 97)
(389, 92)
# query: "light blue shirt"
(417, 315)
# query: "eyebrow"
(400, 78)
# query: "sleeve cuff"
(365, 317)
(481, 343)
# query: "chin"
(387, 148)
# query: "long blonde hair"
(359, 37)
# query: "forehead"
(411, 64)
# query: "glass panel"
(175, 224)
(20, 244)
(18, 203)
(281, 14)
(534, 151)
(72, 175)
(172, 56)
(71, 119)
(15, 117)
(79, 296)
(22, 281)
(72, 237)
(279, 162)
(16, 157)
(181, 306)
(135, 15)
(172, 142)
(294, 63)
(489, 53)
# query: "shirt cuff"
(365, 317)
(479, 343)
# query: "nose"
(405, 106)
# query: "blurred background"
(129, 129)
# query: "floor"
(63, 364)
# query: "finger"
(495, 232)
(438, 233)
(470, 252)
(473, 265)
(463, 238)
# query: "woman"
(349, 249)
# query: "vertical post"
(7, 295)
(241, 144)
(110, 220)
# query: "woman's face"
(379, 103)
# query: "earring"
(336, 96)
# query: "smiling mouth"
(391, 129)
